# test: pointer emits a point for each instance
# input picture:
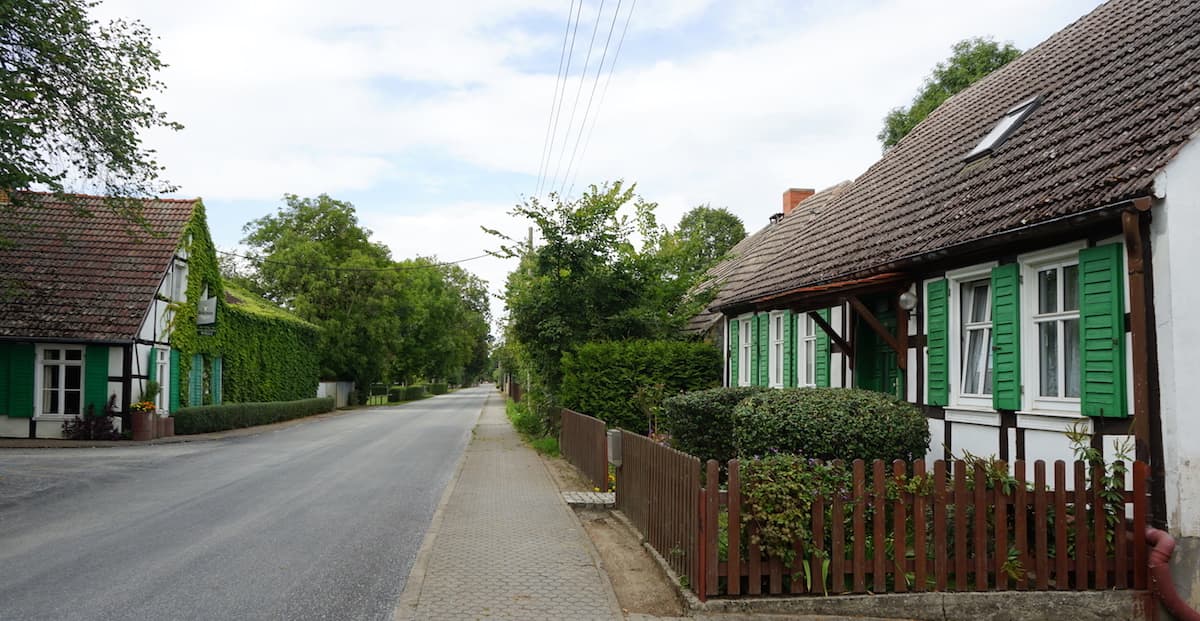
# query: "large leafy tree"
(970, 61)
(704, 235)
(74, 96)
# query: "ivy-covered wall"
(267, 354)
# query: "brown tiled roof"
(1120, 95)
(73, 268)
(717, 277)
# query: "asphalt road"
(317, 521)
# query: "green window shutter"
(821, 355)
(734, 351)
(216, 380)
(1006, 337)
(196, 381)
(754, 350)
(937, 376)
(5, 381)
(22, 364)
(152, 368)
(764, 349)
(1102, 331)
(789, 349)
(95, 378)
(173, 400)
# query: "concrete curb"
(410, 598)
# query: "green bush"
(412, 393)
(209, 418)
(600, 379)
(395, 394)
(701, 422)
(439, 389)
(830, 423)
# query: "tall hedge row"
(209, 418)
(701, 423)
(601, 378)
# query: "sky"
(433, 118)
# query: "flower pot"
(144, 426)
(160, 426)
(170, 426)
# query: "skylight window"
(1005, 128)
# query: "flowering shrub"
(142, 406)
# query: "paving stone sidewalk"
(505, 545)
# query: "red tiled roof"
(71, 267)
(1120, 95)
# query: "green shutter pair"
(1102, 335)
(174, 397)
(196, 381)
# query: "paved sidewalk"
(504, 545)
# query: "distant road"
(317, 521)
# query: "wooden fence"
(956, 532)
(658, 489)
(583, 442)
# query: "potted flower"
(144, 424)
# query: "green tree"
(971, 60)
(74, 96)
(704, 235)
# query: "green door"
(875, 365)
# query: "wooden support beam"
(879, 329)
(840, 343)
(1147, 421)
(901, 336)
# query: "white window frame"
(806, 343)
(1031, 264)
(744, 350)
(39, 374)
(179, 275)
(162, 375)
(956, 279)
(775, 331)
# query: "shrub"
(412, 393)
(395, 394)
(600, 379)
(439, 389)
(701, 423)
(90, 426)
(209, 418)
(830, 423)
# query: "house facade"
(101, 297)
(1020, 266)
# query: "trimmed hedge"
(830, 423)
(601, 378)
(412, 393)
(701, 423)
(395, 394)
(209, 418)
(439, 389)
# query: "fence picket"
(754, 581)
(1000, 504)
(1042, 554)
(879, 506)
(1141, 565)
(817, 557)
(734, 531)
(1081, 527)
(1061, 568)
(712, 481)
(940, 569)
(860, 531)
(1021, 522)
(960, 504)
(980, 543)
(1099, 528)
(1120, 554)
(837, 570)
(899, 532)
(920, 568)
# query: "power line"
(578, 93)
(561, 96)
(603, 93)
(558, 79)
(394, 268)
(586, 111)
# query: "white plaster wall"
(937, 441)
(838, 376)
(1175, 226)
(1047, 446)
(979, 440)
(14, 427)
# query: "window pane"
(50, 402)
(973, 365)
(778, 363)
(778, 326)
(1071, 356)
(1048, 291)
(52, 354)
(74, 376)
(810, 363)
(1048, 358)
(74, 354)
(71, 399)
(979, 304)
(810, 326)
(1071, 287)
(987, 356)
(50, 376)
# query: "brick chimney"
(795, 196)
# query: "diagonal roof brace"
(878, 328)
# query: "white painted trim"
(744, 352)
(1030, 264)
(974, 416)
(955, 279)
(775, 354)
(38, 375)
(1052, 421)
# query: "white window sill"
(1044, 420)
(973, 415)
